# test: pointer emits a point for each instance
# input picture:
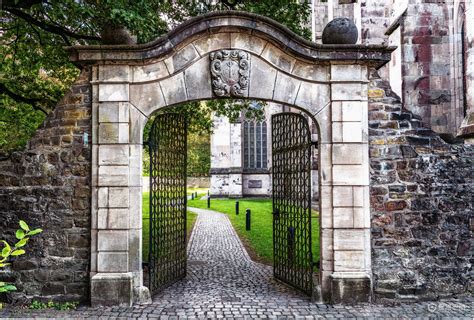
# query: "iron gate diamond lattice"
(167, 254)
(291, 168)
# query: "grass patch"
(190, 220)
(260, 239)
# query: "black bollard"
(192, 196)
(237, 207)
(195, 194)
(208, 202)
(247, 219)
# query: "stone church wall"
(48, 186)
(422, 205)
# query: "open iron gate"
(291, 169)
(167, 254)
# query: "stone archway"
(327, 81)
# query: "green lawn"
(190, 219)
(260, 238)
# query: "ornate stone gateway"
(225, 54)
(291, 171)
(167, 255)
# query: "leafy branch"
(23, 235)
(49, 27)
(35, 103)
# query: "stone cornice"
(233, 22)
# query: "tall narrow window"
(255, 144)
(464, 67)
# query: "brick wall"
(48, 186)
(422, 205)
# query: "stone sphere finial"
(112, 34)
(340, 31)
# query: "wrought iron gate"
(167, 254)
(291, 168)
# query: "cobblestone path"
(223, 282)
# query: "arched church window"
(254, 142)
(464, 66)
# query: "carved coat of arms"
(230, 72)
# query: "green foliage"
(35, 71)
(61, 306)
(8, 251)
(199, 155)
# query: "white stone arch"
(328, 82)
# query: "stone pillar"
(349, 152)
(116, 194)
(235, 175)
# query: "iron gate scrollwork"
(291, 169)
(167, 253)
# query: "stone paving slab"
(223, 282)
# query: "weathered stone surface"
(114, 73)
(48, 186)
(113, 133)
(286, 89)
(278, 58)
(348, 91)
(147, 97)
(174, 89)
(112, 240)
(198, 80)
(360, 290)
(247, 42)
(422, 204)
(340, 31)
(212, 42)
(113, 112)
(112, 290)
(182, 58)
(346, 239)
(113, 154)
(311, 71)
(348, 72)
(264, 76)
(112, 262)
(313, 97)
(149, 72)
(113, 92)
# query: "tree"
(35, 71)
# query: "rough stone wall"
(422, 205)
(48, 186)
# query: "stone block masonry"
(422, 203)
(48, 186)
